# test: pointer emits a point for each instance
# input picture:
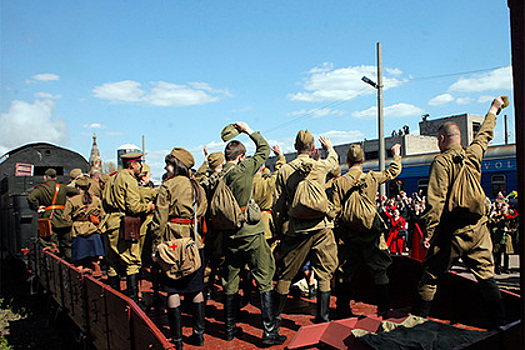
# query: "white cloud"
(463, 100)
(122, 91)
(113, 133)
(485, 98)
(317, 112)
(339, 137)
(25, 122)
(160, 93)
(400, 110)
(47, 95)
(441, 100)
(498, 79)
(42, 77)
(324, 83)
(94, 126)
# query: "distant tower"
(95, 160)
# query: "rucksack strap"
(53, 206)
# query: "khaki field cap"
(83, 181)
(229, 132)
(183, 156)
(132, 156)
(355, 154)
(145, 169)
(215, 159)
(303, 138)
(51, 172)
(75, 173)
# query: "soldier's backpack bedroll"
(310, 200)
(225, 213)
(358, 210)
(466, 197)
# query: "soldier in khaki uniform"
(95, 188)
(263, 188)
(304, 239)
(147, 195)
(41, 200)
(208, 176)
(122, 197)
(449, 236)
(74, 175)
(174, 217)
(85, 212)
(247, 245)
(357, 246)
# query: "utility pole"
(144, 148)
(506, 130)
(380, 117)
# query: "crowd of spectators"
(402, 214)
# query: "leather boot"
(114, 282)
(382, 297)
(342, 293)
(270, 335)
(279, 302)
(323, 307)
(231, 305)
(421, 307)
(132, 282)
(197, 338)
(494, 302)
(175, 323)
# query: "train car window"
(475, 128)
(40, 170)
(371, 155)
(498, 183)
(422, 185)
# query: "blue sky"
(179, 71)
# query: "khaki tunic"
(455, 237)
(303, 238)
(247, 245)
(368, 248)
(175, 200)
(43, 195)
(76, 211)
(121, 197)
(95, 188)
(263, 188)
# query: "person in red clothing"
(396, 236)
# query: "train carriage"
(21, 169)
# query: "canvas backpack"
(466, 197)
(358, 210)
(225, 212)
(310, 200)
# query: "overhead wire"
(312, 112)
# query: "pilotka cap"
(303, 138)
(355, 154)
(183, 156)
(215, 159)
(229, 132)
(51, 172)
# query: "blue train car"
(498, 171)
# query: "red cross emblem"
(173, 246)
